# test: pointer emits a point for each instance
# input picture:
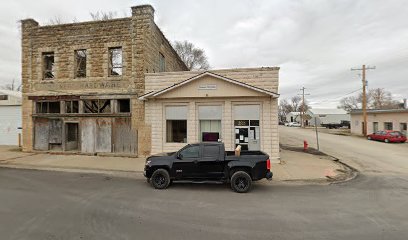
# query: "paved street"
(366, 156)
(55, 205)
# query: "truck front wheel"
(241, 182)
(160, 179)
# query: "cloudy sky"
(314, 42)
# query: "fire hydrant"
(305, 145)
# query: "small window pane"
(97, 106)
(115, 61)
(176, 131)
(80, 63)
(211, 151)
(124, 105)
(71, 107)
(190, 152)
(54, 107)
(48, 65)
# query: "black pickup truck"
(208, 162)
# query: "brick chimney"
(143, 10)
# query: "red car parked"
(388, 136)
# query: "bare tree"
(292, 105)
(101, 16)
(381, 99)
(377, 98)
(56, 20)
(193, 57)
(13, 86)
(350, 103)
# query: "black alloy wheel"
(160, 179)
(241, 182)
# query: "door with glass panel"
(246, 127)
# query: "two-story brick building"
(81, 82)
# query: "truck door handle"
(195, 161)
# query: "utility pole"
(302, 117)
(363, 69)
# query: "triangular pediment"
(208, 84)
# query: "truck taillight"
(268, 164)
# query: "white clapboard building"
(10, 117)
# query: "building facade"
(377, 120)
(10, 117)
(317, 116)
(235, 106)
(81, 83)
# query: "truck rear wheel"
(160, 179)
(241, 182)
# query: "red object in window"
(268, 164)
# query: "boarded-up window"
(48, 65)
(80, 63)
(97, 106)
(162, 63)
(48, 107)
(115, 61)
(71, 107)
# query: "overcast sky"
(315, 43)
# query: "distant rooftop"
(327, 111)
(10, 93)
(360, 111)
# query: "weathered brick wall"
(141, 42)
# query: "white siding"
(10, 120)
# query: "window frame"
(77, 64)
(187, 147)
(47, 107)
(71, 106)
(45, 70)
(98, 100)
(111, 66)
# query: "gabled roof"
(206, 73)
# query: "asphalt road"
(54, 205)
(366, 156)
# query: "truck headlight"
(148, 162)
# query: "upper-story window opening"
(48, 65)
(115, 61)
(80, 63)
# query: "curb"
(119, 173)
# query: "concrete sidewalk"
(294, 166)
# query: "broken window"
(162, 63)
(80, 63)
(97, 106)
(124, 105)
(3, 97)
(48, 65)
(71, 107)
(115, 61)
(48, 107)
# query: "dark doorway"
(71, 136)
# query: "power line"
(341, 96)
